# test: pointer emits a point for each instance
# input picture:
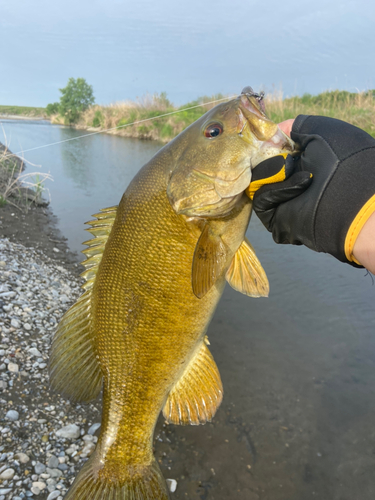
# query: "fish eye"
(213, 130)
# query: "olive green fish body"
(155, 272)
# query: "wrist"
(364, 246)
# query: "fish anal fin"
(209, 261)
(198, 393)
(246, 274)
(73, 367)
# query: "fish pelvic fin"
(246, 274)
(210, 257)
(73, 368)
(119, 483)
(198, 393)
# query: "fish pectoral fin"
(210, 257)
(73, 368)
(198, 393)
(246, 274)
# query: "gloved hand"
(328, 216)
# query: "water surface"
(298, 368)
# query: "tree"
(52, 108)
(76, 97)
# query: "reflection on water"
(89, 174)
(298, 368)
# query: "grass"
(124, 114)
(23, 111)
(355, 108)
(19, 189)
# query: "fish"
(154, 273)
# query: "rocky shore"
(43, 439)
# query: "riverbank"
(356, 108)
(22, 112)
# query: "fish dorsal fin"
(209, 260)
(246, 274)
(73, 367)
(198, 393)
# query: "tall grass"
(356, 108)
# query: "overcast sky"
(125, 49)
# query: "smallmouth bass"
(155, 271)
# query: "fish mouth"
(259, 131)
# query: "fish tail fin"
(118, 483)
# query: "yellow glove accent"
(254, 186)
(356, 226)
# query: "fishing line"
(119, 126)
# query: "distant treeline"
(355, 108)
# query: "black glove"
(329, 215)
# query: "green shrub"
(98, 119)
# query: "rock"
(12, 415)
(53, 495)
(7, 474)
(93, 428)
(71, 431)
(22, 458)
(172, 485)
(54, 472)
(35, 490)
(39, 468)
(53, 462)
(40, 485)
(15, 323)
(5, 491)
(3, 384)
(12, 367)
(34, 352)
(27, 326)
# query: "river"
(298, 368)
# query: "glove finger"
(275, 169)
(271, 195)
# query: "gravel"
(44, 440)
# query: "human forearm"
(364, 246)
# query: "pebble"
(7, 474)
(22, 458)
(40, 485)
(39, 468)
(5, 491)
(53, 462)
(13, 367)
(12, 415)
(93, 428)
(15, 323)
(172, 485)
(71, 431)
(53, 495)
(34, 352)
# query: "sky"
(126, 49)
